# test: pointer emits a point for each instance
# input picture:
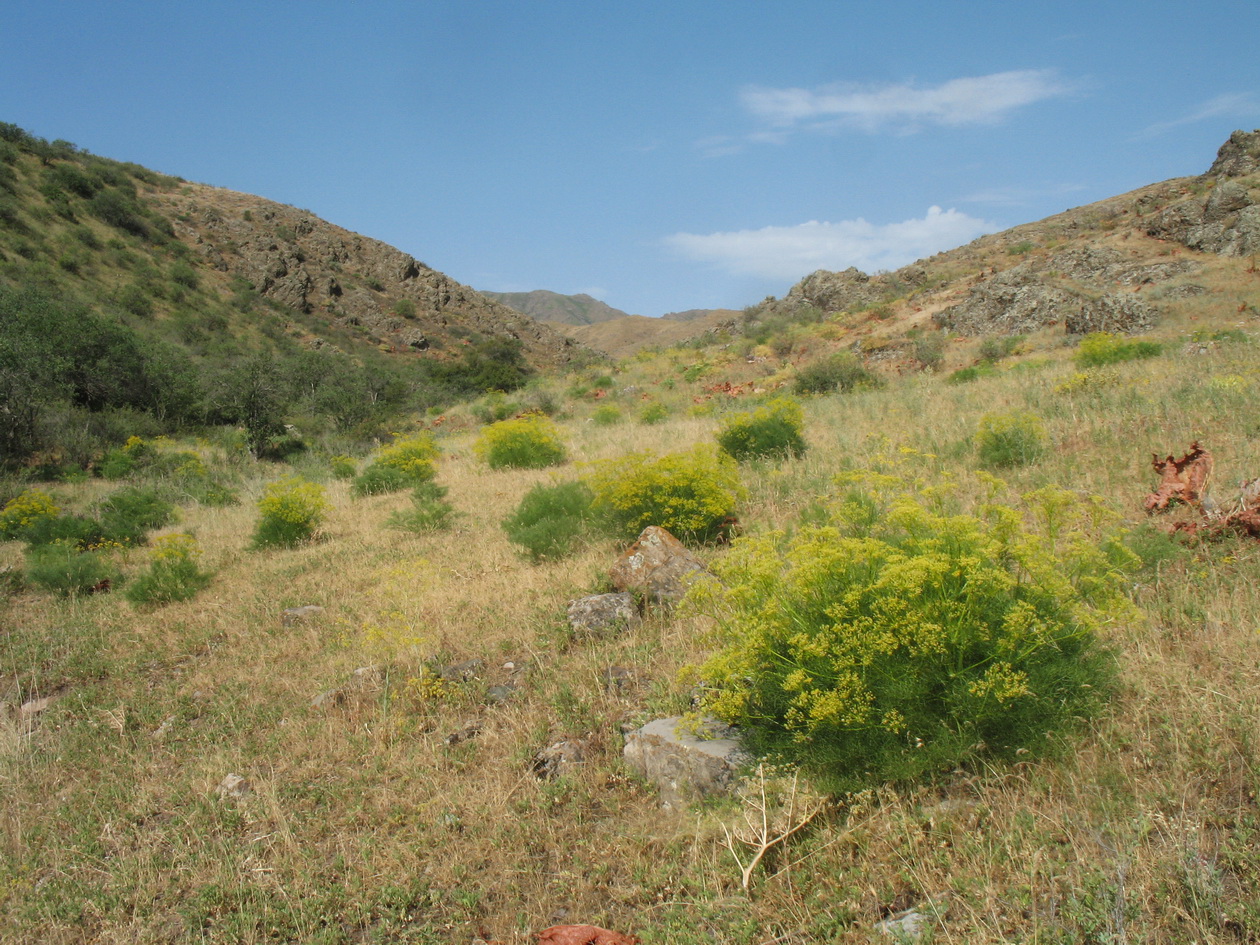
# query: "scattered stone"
(603, 613)
(463, 672)
(329, 698)
(298, 615)
(234, 786)
(658, 565)
(164, 729)
(497, 695)
(908, 926)
(559, 759)
(583, 935)
(682, 765)
(368, 674)
(470, 731)
(35, 708)
(618, 679)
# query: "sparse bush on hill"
(292, 509)
(129, 514)
(842, 371)
(693, 493)
(1005, 440)
(63, 568)
(406, 462)
(605, 415)
(173, 575)
(653, 413)
(429, 512)
(551, 520)
(1101, 347)
(529, 442)
(898, 640)
(770, 430)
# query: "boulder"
(684, 765)
(657, 565)
(601, 614)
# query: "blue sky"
(660, 156)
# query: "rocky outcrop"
(1018, 301)
(1238, 156)
(297, 260)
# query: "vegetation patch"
(772, 430)
(291, 511)
(551, 520)
(529, 442)
(1004, 440)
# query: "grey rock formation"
(682, 765)
(1238, 156)
(602, 614)
(657, 565)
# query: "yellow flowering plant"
(529, 442)
(292, 509)
(899, 638)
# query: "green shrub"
(62, 568)
(929, 350)
(968, 374)
(692, 494)
(494, 407)
(606, 415)
(1005, 440)
(343, 467)
(129, 514)
(771, 430)
(995, 349)
(842, 371)
(292, 510)
(897, 640)
(408, 461)
(653, 413)
(24, 512)
(551, 520)
(1102, 347)
(78, 531)
(173, 574)
(529, 442)
(429, 511)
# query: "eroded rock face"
(681, 765)
(658, 565)
(1238, 156)
(1225, 222)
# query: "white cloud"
(1236, 104)
(792, 252)
(974, 100)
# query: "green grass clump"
(173, 574)
(770, 430)
(842, 371)
(407, 462)
(429, 512)
(551, 520)
(1102, 347)
(1005, 440)
(896, 640)
(529, 442)
(63, 568)
(291, 512)
(693, 494)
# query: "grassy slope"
(365, 825)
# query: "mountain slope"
(547, 306)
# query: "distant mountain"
(696, 314)
(558, 309)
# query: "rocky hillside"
(545, 306)
(1117, 265)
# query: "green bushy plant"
(407, 462)
(62, 567)
(551, 520)
(429, 512)
(292, 509)
(653, 413)
(1005, 440)
(529, 442)
(842, 371)
(1102, 347)
(606, 415)
(129, 514)
(897, 639)
(173, 574)
(343, 467)
(972, 373)
(770, 430)
(692, 494)
(25, 512)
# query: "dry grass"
(366, 825)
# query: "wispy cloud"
(791, 252)
(903, 107)
(1234, 104)
(1019, 196)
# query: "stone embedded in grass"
(466, 671)
(296, 615)
(601, 613)
(658, 564)
(682, 765)
(559, 759)
(233, 785)
(618, 679)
